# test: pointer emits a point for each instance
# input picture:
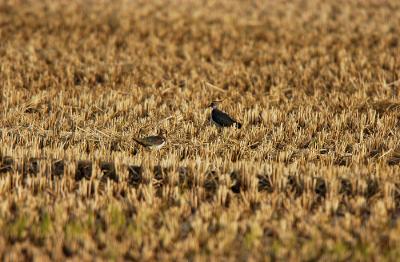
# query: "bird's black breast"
(222, 118)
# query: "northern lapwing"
(153, 142)
(222, 119)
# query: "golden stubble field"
(312, 175)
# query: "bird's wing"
(151, 140)
(222, 118)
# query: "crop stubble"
(312, 174)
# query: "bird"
(222, 119)
(153, 142)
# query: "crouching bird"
(220, 118)
(153, 142)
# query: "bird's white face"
(162, 132)
(213, 105)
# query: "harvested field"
(313, 174)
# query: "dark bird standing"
(153, 142)
(222, 119)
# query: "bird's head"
(214, 104)
(162, 132)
